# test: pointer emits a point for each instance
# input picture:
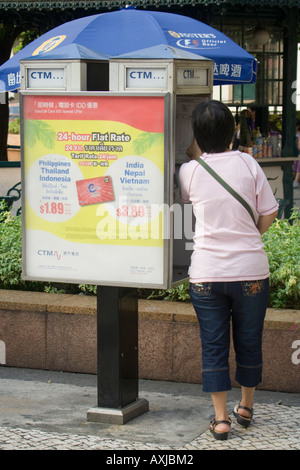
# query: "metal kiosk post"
(117, 356)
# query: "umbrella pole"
(117, 357)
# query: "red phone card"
(95, 190)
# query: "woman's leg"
(248, 313)
(213, 311)
(221, 414)
(247, 400)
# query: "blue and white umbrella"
(128, 30)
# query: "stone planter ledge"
(58, 332)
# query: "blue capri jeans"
(218, 305)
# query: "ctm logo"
(49, 253)
(41, 75)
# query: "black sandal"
(218, 434)
(243, 420)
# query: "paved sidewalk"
(42, 410)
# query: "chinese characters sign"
(227, 70)
(93, 174)
(14, 79)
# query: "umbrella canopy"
(126, 30)
(161, 51)
(71, 51)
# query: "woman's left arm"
(265, 221)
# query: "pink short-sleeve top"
(227, 244)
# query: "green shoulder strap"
(226, 186)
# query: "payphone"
(105, 164)
(188, 79)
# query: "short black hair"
(213, 126)
(252, 106)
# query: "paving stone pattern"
(274, 427)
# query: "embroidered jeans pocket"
(202, 288)
(252, 288)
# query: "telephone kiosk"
(182, 80)
(185, 79)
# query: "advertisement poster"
(93, 174)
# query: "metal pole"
(117, 355)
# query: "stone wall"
(58, 332)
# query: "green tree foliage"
(282, 244)
(10, 249)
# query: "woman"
(229, 268)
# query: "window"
(268, 89)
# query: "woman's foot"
(243, 414)
(220, 428)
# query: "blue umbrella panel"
(127, 30)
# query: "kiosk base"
(118, 416)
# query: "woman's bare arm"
(265, 221)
